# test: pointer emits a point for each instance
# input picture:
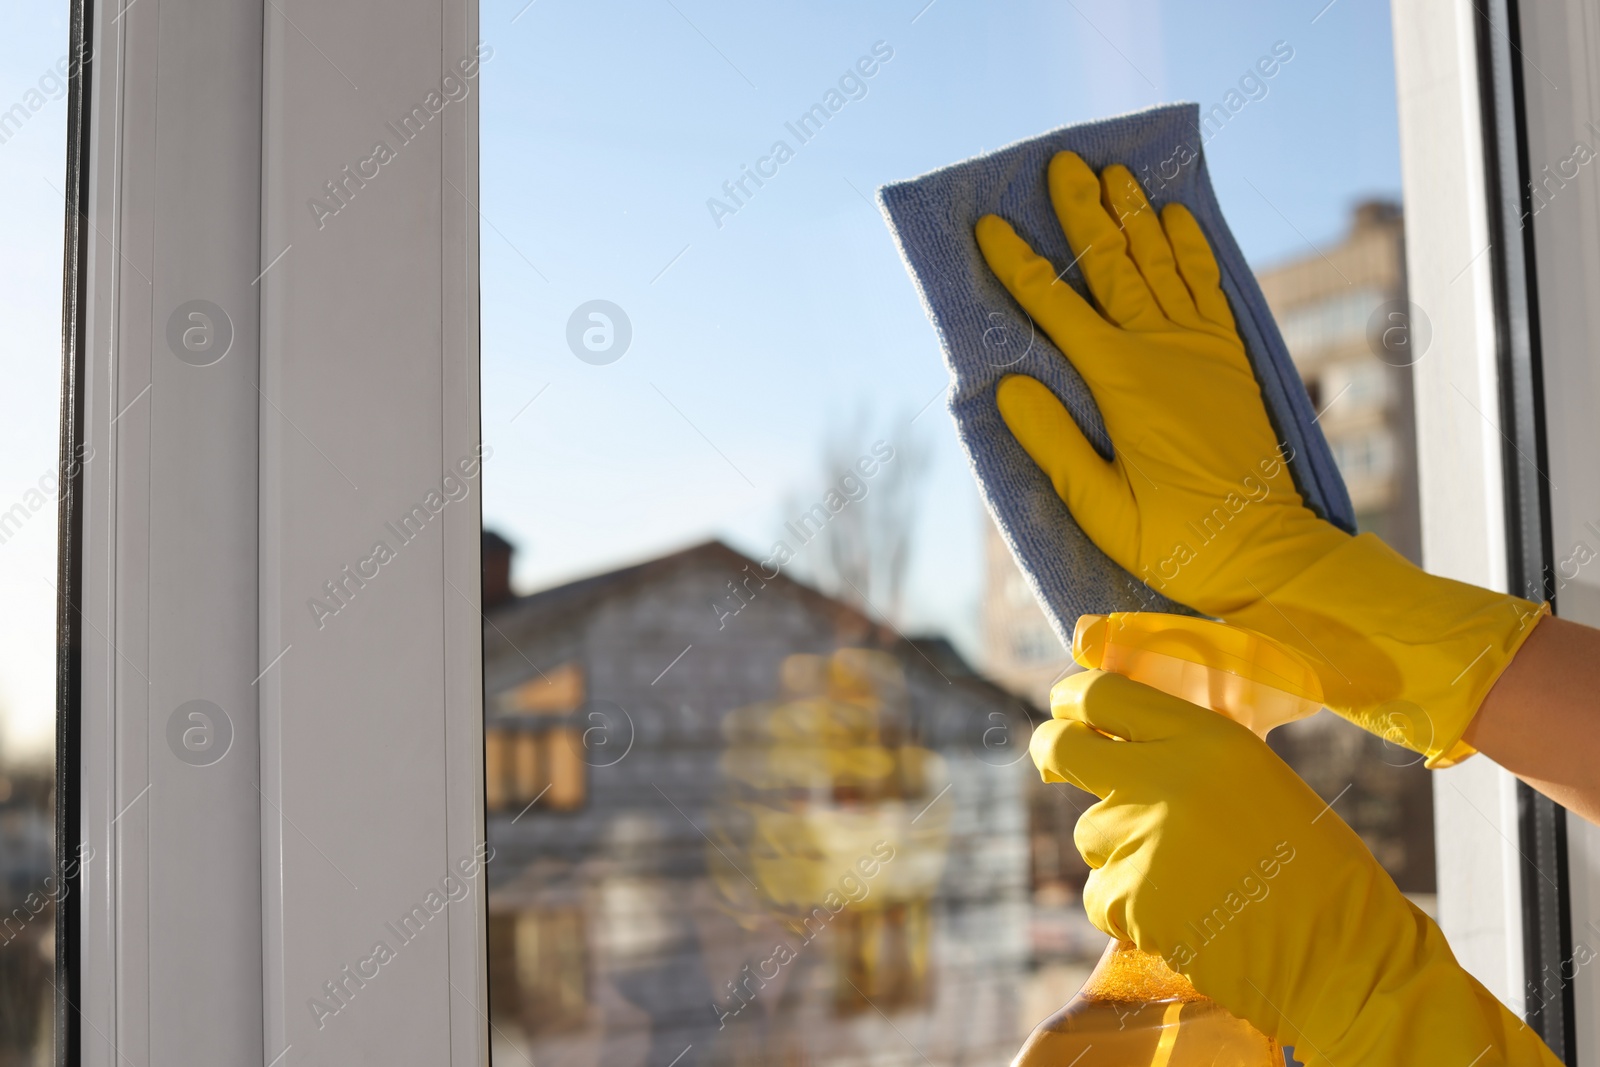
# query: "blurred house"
(1343, 314)
(736, 821)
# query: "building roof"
(560, 605)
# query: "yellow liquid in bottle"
(1135, 1011)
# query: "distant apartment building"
(27, 914)
(1020, 650)
(1343, 315)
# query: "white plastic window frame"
(1458, 444)
(1560, 42)
(1475, 190)
(275, 727)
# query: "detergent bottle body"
(1134, 1010)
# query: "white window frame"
(1490, 91)
(1458, 449)
(226, 892)
(1560, 42)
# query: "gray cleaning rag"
(986, 335)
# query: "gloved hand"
(1198, 500)
(1209, 851)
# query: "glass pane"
(760, 674)
(34, 59)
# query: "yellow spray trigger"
(1252, 679)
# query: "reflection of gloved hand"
(1198, 501)
(1207, 850)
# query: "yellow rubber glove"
(1198, 501)
(1209, 851)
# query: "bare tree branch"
(865, 550)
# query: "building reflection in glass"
(782, 836)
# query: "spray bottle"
(1135, 1011)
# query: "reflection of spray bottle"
(825, 826)
(1134, 1010)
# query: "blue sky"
(607, 125)
(32, 162)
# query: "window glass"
(33, 71)
(760, 674)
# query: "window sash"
(1488, 96)
(223, 501)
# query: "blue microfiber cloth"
(986, 336)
